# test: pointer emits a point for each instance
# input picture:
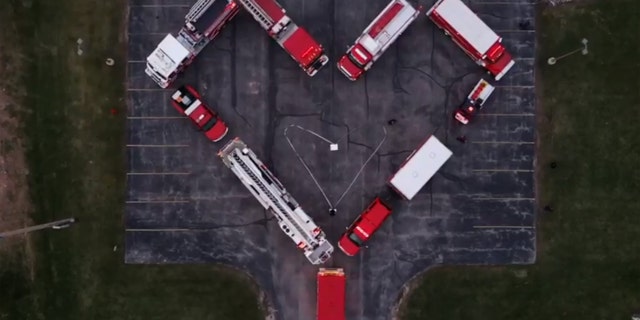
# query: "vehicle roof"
(374, 216)
(302, 46)
(392, 20)
(468, 24)
(420, 167)
(167, 56)
(331, 294)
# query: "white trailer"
(272, 195)
(383, 31)
(419, 168)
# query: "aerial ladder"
(272, 195)
(265, 20)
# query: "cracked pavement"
(184, 206)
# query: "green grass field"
(588, 262)
(77, 163)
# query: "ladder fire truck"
(377, 37)
(295, 40)
(472, 35)
(274, 197)
(203, 22)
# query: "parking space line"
(145, 89)
(500, 170)
(146, 34)
(505, 199)
(156, 201)
(157, 145)
(514, 31)
(502, 142)
(155, 118)
(506, 114)
(503, 227)
(514, 87)
(161, 230)
(158, 173)
(175, 5)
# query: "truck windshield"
(207, 126)
(356, 240)
(354, 60)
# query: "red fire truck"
(364, 227)
(466, 29)
(331, 294)
(474, 102)
(295, 40)
(203, 23)
(377, 37)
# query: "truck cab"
(364, 227)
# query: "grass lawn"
(588, 264)
(77, 162)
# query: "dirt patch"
(14, 192)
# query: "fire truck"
(295, 40)
(474, 102)
(419, 167)
(377, 37)
(364, 227)
(472, 35)
(272, 195)
(331, 294)
(203, 23)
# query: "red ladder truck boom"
(294, 39)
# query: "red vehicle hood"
(499, 68)
(349, 69)
(347, 246)
(218, 131)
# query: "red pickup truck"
(364, 227)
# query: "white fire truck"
(472, 35)
(274, 197)
(377, 37)
(419, 168)
(203, 23)
(293, 39)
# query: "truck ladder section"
(274, 197)
(198, 9)
(256, 11)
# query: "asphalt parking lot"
(184, 206)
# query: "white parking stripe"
(501, 170)
(503, 227)
(157, 145)
(158, 173)
(503, 142)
